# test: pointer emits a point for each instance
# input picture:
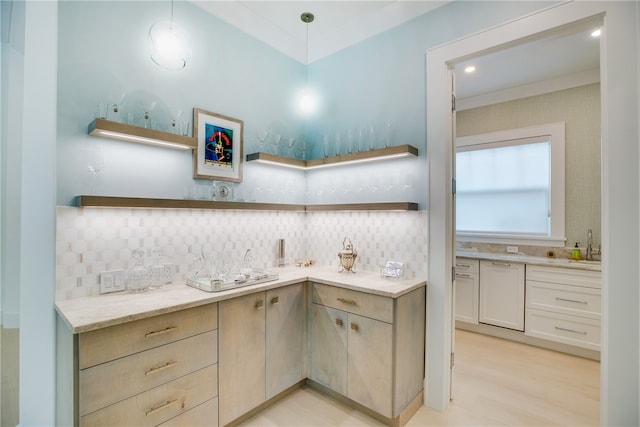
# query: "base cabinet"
(467, 290)
(368, 348)
(261, 348)
(502, 294)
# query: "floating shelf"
(399, 151)
(124, 132)
(85, 201)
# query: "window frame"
(556, 134)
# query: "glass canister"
(138, 276)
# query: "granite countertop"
(95, 312)
(533, 260)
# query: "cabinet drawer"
(565, 276)
(368, 305)
(205, 415)
(467, 265)
(566, 299)
(113, 381)
(110, 343)
(571, 330)
(159, 404)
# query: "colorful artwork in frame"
(219, 153)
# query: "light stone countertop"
(533, 260)
(96, 312)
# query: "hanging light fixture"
(169, 44)
(307, 102)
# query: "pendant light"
(169, 44)
(307, 102)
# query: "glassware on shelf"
(95, 163)
(389, 134)
(115, 110)
(101, 113)
(138, 275)
(156, 270)
(147, 120)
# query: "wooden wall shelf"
(124, 132)
(85, 201)
(399, 151)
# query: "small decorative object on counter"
(575, 253)
(303, 262)
(392, 269)
(347, 256)
(247, 265)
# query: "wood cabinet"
(467, 290)
(368, 348)
(261, 348)
(502, 294)
(143, 373)
(564, 305)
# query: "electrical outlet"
(167, 273)
(112, 281)
(512, 249)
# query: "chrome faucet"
(589, 245)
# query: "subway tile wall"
(93, 240)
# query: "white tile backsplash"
(93, 240)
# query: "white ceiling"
(337, 24)
(563, 58)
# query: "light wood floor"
(497, 382)
(9, 364)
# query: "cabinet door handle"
(259, 305)
(463, 265)
(571, 300)
(558, 328)
(462, 275)
(354, 327)
(160, 407)
(339, 322)
(347, 301)
(160, 332)
(501, 264)
(275, 300)
(160, 368)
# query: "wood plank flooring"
(497, 383)
(9, 366)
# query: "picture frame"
(218, 155)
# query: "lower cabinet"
(144, 373)
(467, 290)
(502, 294)
(368, 348)
(261, 348)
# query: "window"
(510, 186)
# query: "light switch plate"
(112, 281)
(512, 249)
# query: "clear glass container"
(138, 275)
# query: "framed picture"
(219, 152)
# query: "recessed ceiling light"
(469, 69)
(596, 33)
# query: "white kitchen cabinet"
(502, 294)
(564, 305)
(261, 348)
(467, 290)
(368, 348)
(144, 372)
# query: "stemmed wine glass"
(95, 163)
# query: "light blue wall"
(103, 55)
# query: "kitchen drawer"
(565, 299)
(565, 276)
(159, 404)
(204, 415)
(578, 331)
(110, 343)
(368, 305)
(110, 382)
(467, 265)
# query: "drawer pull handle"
(501, 264)
(571, 300)
(161, 407)
(160, 332)
(339, 322)
(463, 265)
(347, 301)
(570, 330)
(275, 300)
(354, 327)
(259, 305)
(462, 275)
(160, 368)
